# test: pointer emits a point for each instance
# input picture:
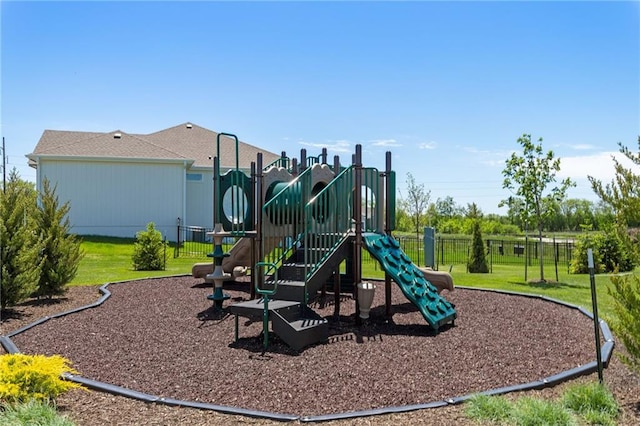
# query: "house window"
(194, 177)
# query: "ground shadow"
(544, 285)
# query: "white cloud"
(582, 147)
(332, 146)
(427, 145)
(386, 143)
(600, 166)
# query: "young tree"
(477, 260)
(416, 202)
(60, 250)
(528, 176)
(19, 261)
(148, 250)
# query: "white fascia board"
(38, 157)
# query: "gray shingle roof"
(183, 142)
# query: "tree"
(477, 260)
(623, 193)
(416, 202)
(626, 296)
(19, 260)
(528, 176)
(60, 250)
(148, 250)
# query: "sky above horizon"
(447, 87)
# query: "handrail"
(329, 215)
(285, 209)
(278, 162)
(265, 293)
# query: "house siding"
(118, 198)
(200, 200)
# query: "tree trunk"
(540, 252)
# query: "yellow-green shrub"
(26, 377)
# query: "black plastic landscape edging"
(553, 380)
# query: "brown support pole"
(387, 230)
(259, 279)
(336, 292)
(252, 282)
(357, 216)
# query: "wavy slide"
(434, 308)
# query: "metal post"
(594, 302)
(387, 231)
(357, 216)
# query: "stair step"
(300, 327)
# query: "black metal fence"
(194, 242)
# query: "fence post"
(176, 253)
(429, 247)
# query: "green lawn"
(109, 260)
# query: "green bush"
(32, 413)
(38, 377)
(612, 251)
(148, 250)
(625, 291)
(585, 241)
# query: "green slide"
(434, 308)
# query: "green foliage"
(528, 177)
(612, 251)
(488, 408)
(60, 250)
(416, 203)
(625, 291)
(478, 260)
(148, 250)
(594, 402)
(32, 413)
(585, 241)
(623, 193)
(19, 260)
(25, 377)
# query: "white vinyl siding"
(200, 200)
(118, 198)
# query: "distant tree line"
(449, 217)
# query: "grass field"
(109, 260)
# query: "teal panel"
(235, 202)
(434, 308)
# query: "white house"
(118, 182)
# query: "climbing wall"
(434, 308)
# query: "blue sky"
(447, 87)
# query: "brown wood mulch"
(162, 337)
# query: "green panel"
(235, 202)
(434, 308)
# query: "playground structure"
(295, 224)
